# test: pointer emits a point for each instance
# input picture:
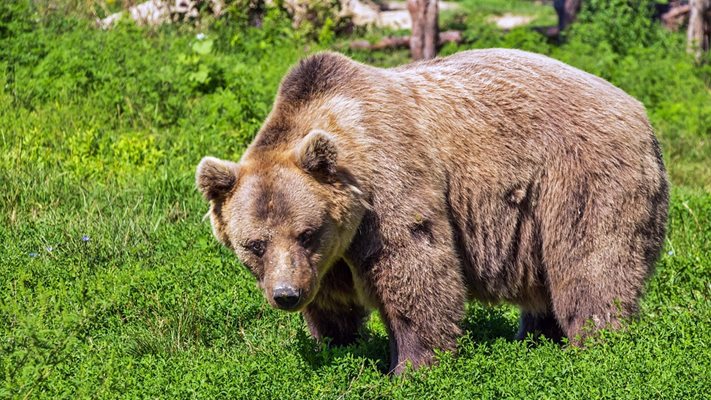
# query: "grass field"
(111, 284)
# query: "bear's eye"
(306, 238)
(257, 247)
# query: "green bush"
(621, 24)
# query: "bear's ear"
(317, 153)
(215, 177)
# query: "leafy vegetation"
(112, 286)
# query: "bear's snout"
(286, 297)
(290, 279)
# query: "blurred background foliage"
(159, 77)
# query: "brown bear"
(496, 175)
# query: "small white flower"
(49, 249)
(200, 36)
(670, 252)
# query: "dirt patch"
(510, 21)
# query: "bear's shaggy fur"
(497, 175)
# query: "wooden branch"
(675, 17)
(403, 41)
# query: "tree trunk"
(431, 29)
(425, 30)
(567, 10)
(699, 26)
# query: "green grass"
(100, 133)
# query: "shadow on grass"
(489, 324)
(370, 346)
(483, 325)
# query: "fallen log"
(403, 41)
(675, 17)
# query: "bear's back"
(530, 85)
(484, 104)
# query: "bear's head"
(288, 214)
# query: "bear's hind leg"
(581, 310)
(538, 324)
(601, 235)
(585, 301)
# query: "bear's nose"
(286, 296)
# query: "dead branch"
(403, 41)
(675, 17)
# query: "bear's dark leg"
(596, 248)
(415, 334)
(421, 297)
(341, 326)
(581, 311)
(335, 312)
(539, 324)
